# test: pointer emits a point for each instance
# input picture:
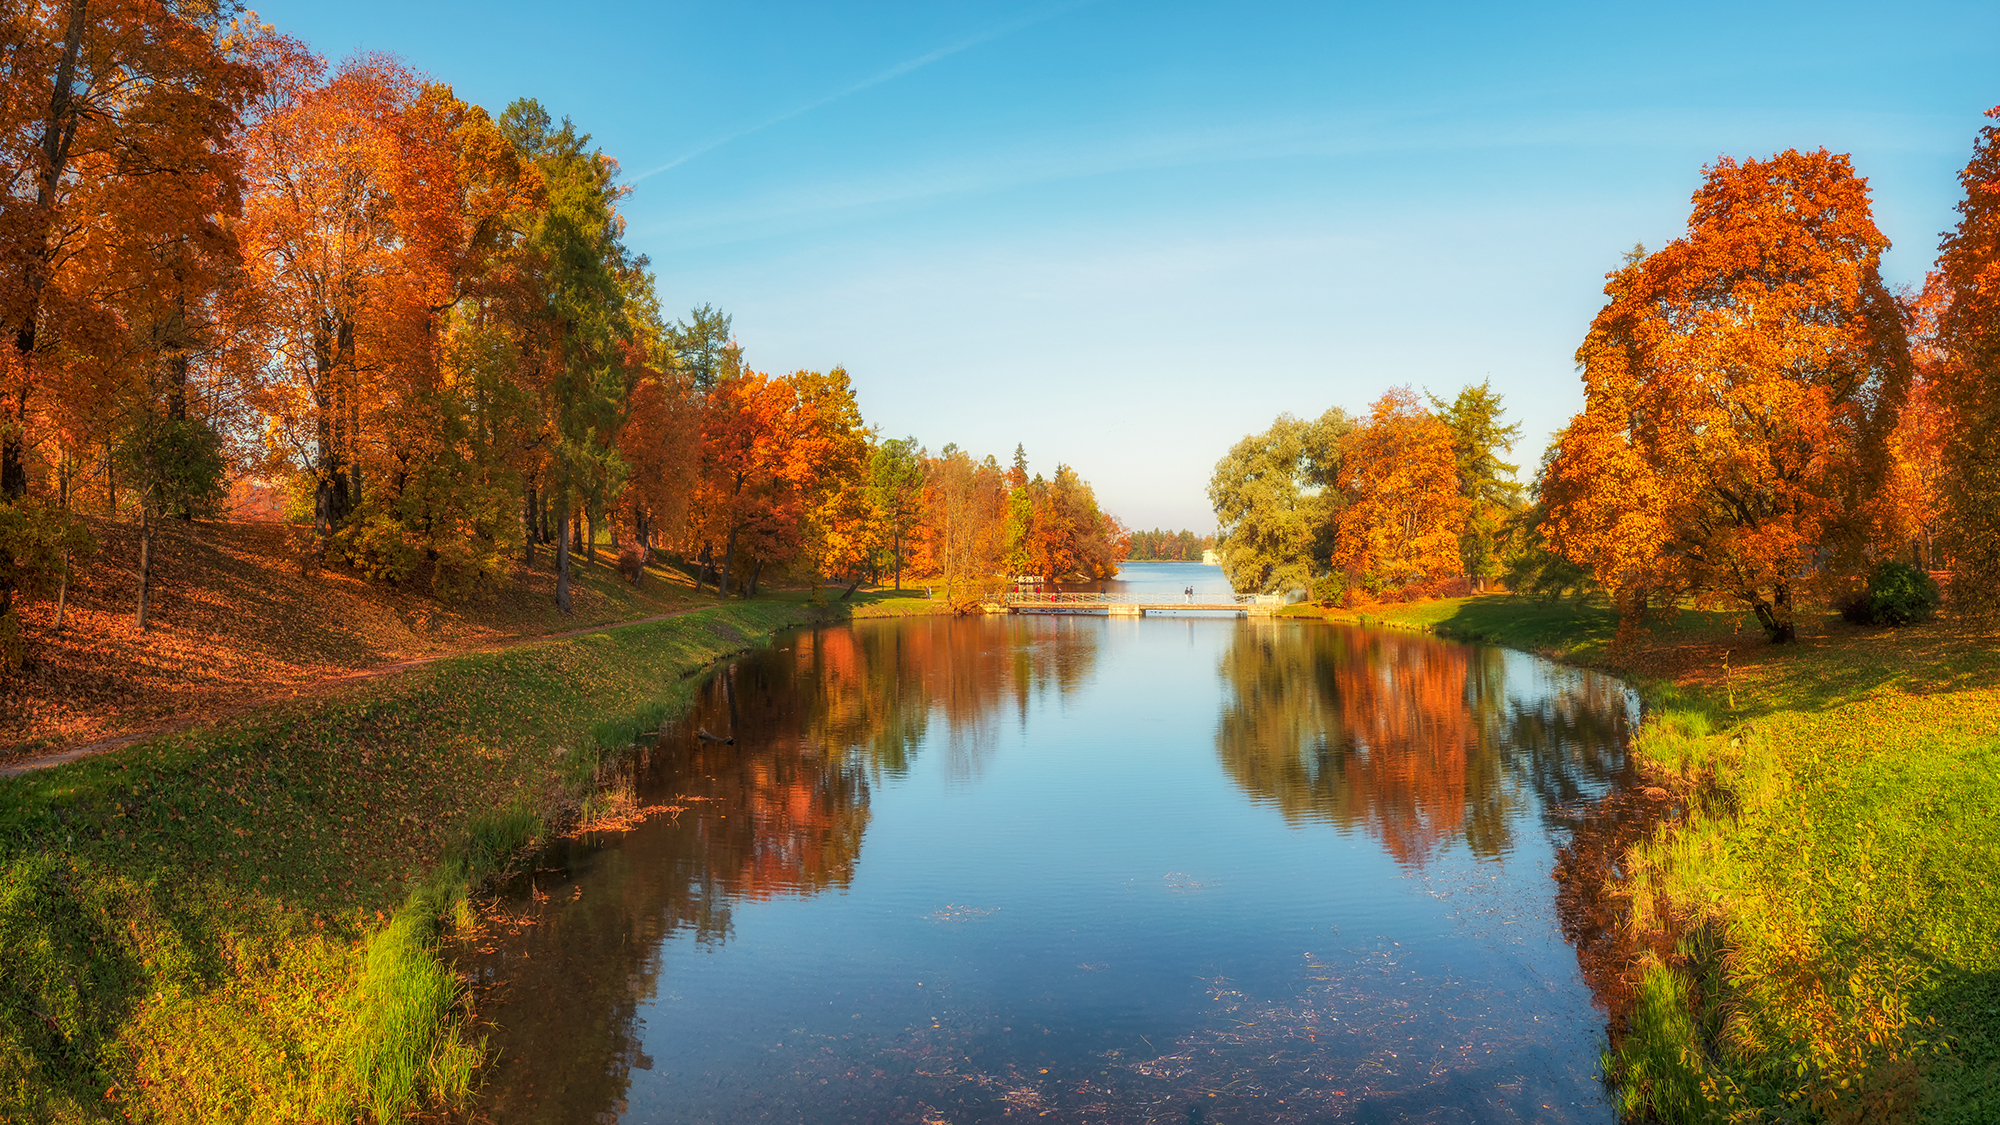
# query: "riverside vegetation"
(1812, 938)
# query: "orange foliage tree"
(744, 486)
(117, 130)
(781, 462)
(322, 242)
(1968, 338)
(1739, 387)
(1399, 475)
(1908, 510)
(1059, 533)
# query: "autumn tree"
(830, 463)
(747, 488)
(1485, 483)
(116, 142)
(661, 443)
(1532, 565)
(895, 488)
(322, 241)
(1739, 388)
(966, 520)
(1968, 337)
(1404, 508)
(1908, 512)
(1275, 502)
(1068, 536)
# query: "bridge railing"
(1067, 599)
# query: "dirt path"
(321, 687)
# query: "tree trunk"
(562, 551)
(1775, 616)
(754, 572)
(62, 593)
(728, 562)
(899, 558)
(852, 586)
(528, 528)
(145, 557)
(701, 567)
(577, 545)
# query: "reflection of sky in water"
(1120, 870)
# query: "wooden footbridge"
(1139, 605)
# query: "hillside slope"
(235, 618)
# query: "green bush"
(1899, 593)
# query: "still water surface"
(1158, 870)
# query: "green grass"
(892, 603)
(1831, 896)
(242, 923)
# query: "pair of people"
(1190, 594)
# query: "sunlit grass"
(1842, 844)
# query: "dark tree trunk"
(728, 565)
(528, 528)
(145, 558)
(754, 572)
(1775, 616)
(562, 551)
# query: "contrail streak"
(888, 75)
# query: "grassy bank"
(240, 923)
(1818, 937)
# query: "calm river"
(1163, 870)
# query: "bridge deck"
(1136, 604)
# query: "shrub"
(1899, 594)
(632, 562)
(1329, 589)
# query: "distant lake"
(1119, 870)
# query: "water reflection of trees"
(781, 810)
(1415, 740)
(874, 690)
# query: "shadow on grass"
(1962, 1084)
(1718, 661)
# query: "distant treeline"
(1167, 546)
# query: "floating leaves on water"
(954, 913)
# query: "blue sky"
(1126, 234)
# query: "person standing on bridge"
(1190, 594)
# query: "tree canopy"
(1740, 385)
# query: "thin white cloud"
(889, 75)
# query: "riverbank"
(240, 922)
(1817, 937)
